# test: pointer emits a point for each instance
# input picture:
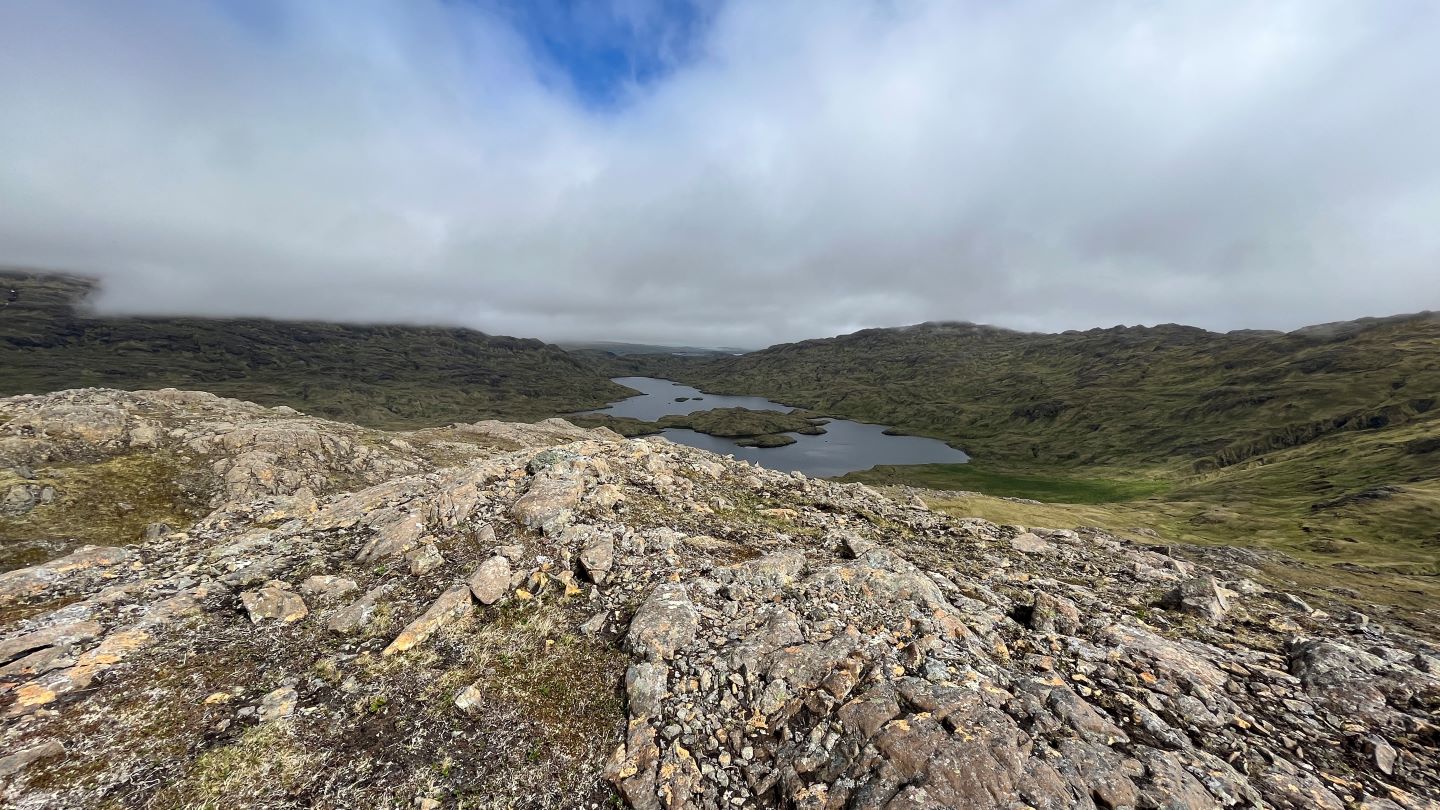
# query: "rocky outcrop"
(85, 566)
(632, 621)
(1198, 596)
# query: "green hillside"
(1325, 440)
(381, 376)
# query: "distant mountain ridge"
(378, 375)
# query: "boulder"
(450, 606)
(275, 600)
(1030, 543)
(1198, 596)
(554, 493)
(491, 581)
(665, 622)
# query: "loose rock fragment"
(665, 622)
(470, 698)
(277, 704)
(274, 601)
(491, 581)
(598, 556)
(451, 605)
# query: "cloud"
(777, 170)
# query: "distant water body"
(844, 447)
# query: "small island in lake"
(749, 428)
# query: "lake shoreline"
(776, 436)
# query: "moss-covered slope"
(378, 375)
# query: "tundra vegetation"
(1324, 441)
(381, 375)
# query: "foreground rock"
(541, 616)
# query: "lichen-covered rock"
(62, 636)
(89, 665)
(554, 493)
(278, 704)
(80, 568)
(276, 600)
(325, 586)
(396, 533)
(491, 581)
(450, 606)
(1029, 543)
(665, 622)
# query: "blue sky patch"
(606, 51)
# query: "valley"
(1320, 442)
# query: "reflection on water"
(845, 446)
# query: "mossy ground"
(385, 729)
(272, 755)
(1061, 488)
(107, 502)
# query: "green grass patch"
(976, 478)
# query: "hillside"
(379, 375)
(500, 615)
(1135, 395)
(1323, 440)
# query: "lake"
(845, 446)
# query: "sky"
(728, 172)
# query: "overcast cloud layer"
(796, 169)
